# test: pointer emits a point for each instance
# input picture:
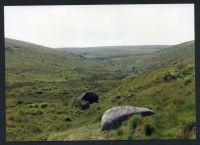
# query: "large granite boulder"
(113, 117)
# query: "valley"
(42, 84)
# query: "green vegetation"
(42, 84)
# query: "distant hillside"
(169, 56)
(113, 51)
(35, 62)
(137, 59)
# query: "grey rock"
(84, 101)
(113, 117)
(89, 96)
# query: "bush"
(134, 122)
(36, 112)
(188, 70)
(33, 105)
(171, 75)
(39, 92)
(67, 119)
(34, 129)
(149, 129)
(51, 111)
(129, 137)
(19, 102)
(97, 107)
(187, 126)
(187, 81)
(43, 105)
(119, 132)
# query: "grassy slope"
(145, 62)
(137, 59)
(34, 62)
(172, 101)
(37, 74)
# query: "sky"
(100, 25)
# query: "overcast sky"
(100, 25)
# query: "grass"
(42, 85)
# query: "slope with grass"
(169, 92)
(137, 59)
(42, 83)
(33, 62)
(37, 75)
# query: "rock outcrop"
(113, 117)
(85, 99)
(89, 96)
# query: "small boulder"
(113, 117)
(85, 99)
(89, 96)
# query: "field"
(42, 84)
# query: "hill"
(103, 52)
(42, 83)
(137, 59)
(36, 74)
(169, 90)
(42, 63)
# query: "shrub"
(171, 75)
(39, 92)
(149, 129)
(43, 105)
(187, 127)
(119, 132)
(33, 105)
(129, 137)
(67, 119)
(187, 81)
(34, 129)
(11, 118)
(97, 107)
(134, 122)
(189, 69)
(36, 112)
(19, 102)
(51, 111)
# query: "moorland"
(42, 84)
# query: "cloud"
(100, 25)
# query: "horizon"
(74, 47)
(100, 25)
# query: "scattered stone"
(113, 117)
